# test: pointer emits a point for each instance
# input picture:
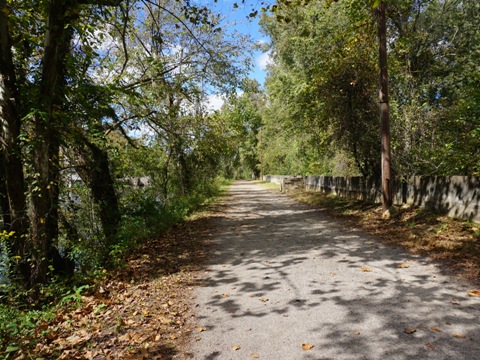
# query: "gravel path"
(284, 274)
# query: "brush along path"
(286, 281)
(139, 312)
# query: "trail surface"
(283, 274)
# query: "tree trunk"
(4, 203)
(95, 172)
(384, 108)
(44, 192)
(13, 183)
(183, 167)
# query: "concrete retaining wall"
(292, 184)
(457, 196)
(277, 179)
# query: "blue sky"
(238, 19)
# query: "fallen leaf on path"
(403, 266)
(307, 346)
(474, 293)
(409, 330)
(200, 329)
(236, 347)
(264, 299)
(430, 346)
(73, 340)
(356, 332)
(436, 329)
(366, 269)
(459, 336)
(125, 337)
(254, 356)
(165, 321)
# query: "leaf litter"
(141, 310)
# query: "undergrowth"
(21, 323)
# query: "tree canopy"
(323, 79)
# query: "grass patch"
(267, 185)
(455, 243)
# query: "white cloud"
(214, 102)
(142, 130)
(264, 60)
(261, 42)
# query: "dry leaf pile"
(141, 311)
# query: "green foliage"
(434, 87)
(20, 325)
(146, 216)
(242, 115)
(322, 86)
(16, 325)
(74, 295)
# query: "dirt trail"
(284, 274)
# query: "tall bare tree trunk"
(384, 108)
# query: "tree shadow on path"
(284, 273)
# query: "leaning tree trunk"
(384, 108)
(94, 170)
(103, 191)
(184, 171)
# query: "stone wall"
(457, 196)
(287, 183)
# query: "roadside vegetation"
(139, 306)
